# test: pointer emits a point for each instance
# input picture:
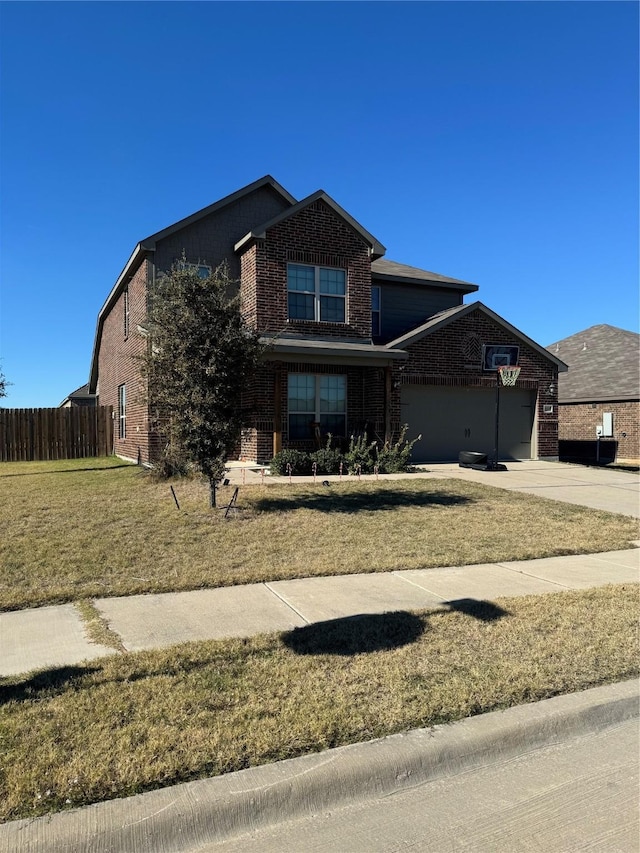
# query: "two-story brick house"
(354, 342)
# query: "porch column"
(277, 413)
(387, 404)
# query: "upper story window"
(375, 311)
(202, 270)
(316, 293)
(125, 307)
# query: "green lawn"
(85, 528)
(122, 725)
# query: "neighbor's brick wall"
(118, 363)
(452, 356)
(365, 405)
(315, 235)
(578, 422)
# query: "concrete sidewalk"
(52, 637)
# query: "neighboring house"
(355, 342)
(80, 397)
(601, 391)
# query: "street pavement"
(575, 795)
(555, 776)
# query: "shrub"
(172, 463)
(361, 455)
(328, 458)
(299, 461)
(394, 458)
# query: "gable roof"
(144, 247)
(444, 318)
(259, 233)
(384, 270)
(604, 364)
(266, 181)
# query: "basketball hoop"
(509, 373)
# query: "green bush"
(394, 458)
(299, 461)
(328, 458)
(361, 455)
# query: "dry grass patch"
(123, 725)
(91, 528)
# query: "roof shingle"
(604, 364)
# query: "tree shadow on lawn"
(384, 498)
(373, 632)
(48, 681)
(68, 471)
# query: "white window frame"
(317, 414)
(122, 411)
(377, 327)
(125, 311)
(317, 293)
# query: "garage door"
(455, 419)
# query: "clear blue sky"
(492, 142)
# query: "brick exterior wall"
(315, 235)
(578, 422)
(452, 356)
(119, 364)
(365, 405)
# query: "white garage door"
(455, 419)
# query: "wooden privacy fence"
(27, 435)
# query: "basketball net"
(509, 374)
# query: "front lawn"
(125, 724)
(91, 528)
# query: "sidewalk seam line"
(396, 572)
(287, 604)
(537, 577)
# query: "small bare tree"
(3, 385)
(201, 356)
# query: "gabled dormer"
(307, 272)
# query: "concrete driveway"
(598, 488)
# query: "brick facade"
(578, 422)
(119, 364)
(365, 405)
(315, 235)
(452, 356)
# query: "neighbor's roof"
(604, 364)
(439, 321)
(81, 393)
(259, 233)
(384, 270)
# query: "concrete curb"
(188, 816)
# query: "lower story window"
(122, 411)
(316, 399)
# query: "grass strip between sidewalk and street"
(129, 723)
(88, 528)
